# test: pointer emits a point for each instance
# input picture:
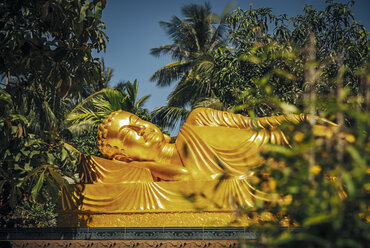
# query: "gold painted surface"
(209, 143)
(167, 196)
(146, 174)
(164, 219)
(99, 170)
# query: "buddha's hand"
(162, 171)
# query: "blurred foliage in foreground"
(325, 181)
(318, 63)
(327, 184)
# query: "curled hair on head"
(106, 149)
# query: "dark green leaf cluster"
(31, 214)
(46, 54)
(31, 167)
(325, 183)
(263, 57)
(46, 66)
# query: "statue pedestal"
(160, 219)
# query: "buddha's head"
(124, 134)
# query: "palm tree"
(194, 39)
(91, 111)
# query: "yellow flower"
(298, 137)
(288, 199)
(316, 169)
(272, 184)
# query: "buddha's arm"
(211, 117)
(164, 171)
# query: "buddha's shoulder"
(199, 110)
(196, 114)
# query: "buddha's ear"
(167, 138)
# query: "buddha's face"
(141, 139)
(125, 134)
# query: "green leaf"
(27, 166)
(33, 153)
(317, 219)
(349, 184)
(2, 182)
(83, 10)
(50, 158)
(17, 157)
(64, 154)
(5, 96)
(98, 11)
(37, 187)
(356, 156)
(52, 187)
(33, 173)
(15, 117)
(57, 176)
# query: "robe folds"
(210, 144)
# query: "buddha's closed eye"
(137, 128)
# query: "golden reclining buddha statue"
(147, 174)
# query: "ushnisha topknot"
(108, 134)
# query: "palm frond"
(132, 90)
(195, 38)
(204, 63)
(168, 117)
(171, 72)
(87, 100)
(115, 100)
(180, 95)
(174, 50)
(96, 106)
(175, 29)
(141, 102)
(192, 37)
(218, 34)
(84, 114)
(103, 106)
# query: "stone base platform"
(127, 237)
(124, 244)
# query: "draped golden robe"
(210, 144)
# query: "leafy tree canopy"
(45, 63)
(46, 53)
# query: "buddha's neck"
(169, 154)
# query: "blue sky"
(132, 27)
